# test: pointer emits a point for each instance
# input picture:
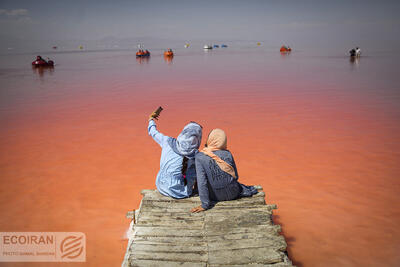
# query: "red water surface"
(319, 134)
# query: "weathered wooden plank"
(172, 239)
(245, 219)
(279, 264)
(256, 229)
(193, 224)
(227, 209)
(174, 215)
(189, 205)
(169, 256)
(154, 194)
(216, 209)
(167, 231)
(163, 247)
(273, 242)
(244, 256)
(177, 236)
(155, 213)
(163, 263)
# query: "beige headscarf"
(217, 141)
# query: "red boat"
(285, 49)
(40, 62)
(168, 53)
(142, 53)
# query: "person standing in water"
(217, 176)
(177, 174)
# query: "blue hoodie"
(170, 181)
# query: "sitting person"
(177, 173)
(39, 58)
(217, 176)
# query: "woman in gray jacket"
(217, 176)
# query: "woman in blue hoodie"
(177, 173)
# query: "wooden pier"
(233, 233)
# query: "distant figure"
(177, 174)
(358, 51)
(217, 176)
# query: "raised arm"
(153, 132)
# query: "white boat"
(187, 45)
(207, 47)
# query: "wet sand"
(75, 152)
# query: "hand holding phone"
(156, 113)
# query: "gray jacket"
(213, 183)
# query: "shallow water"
(319, 132)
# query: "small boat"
(187, 45)
(224, 46)
(168, 53)
(40, 62)
(54, 47)
(258, 43)
(81, 47)
(216, 46)
(142, 53)
(207, 47)
(285, 49)
(355, 52)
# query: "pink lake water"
(319, 132)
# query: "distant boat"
(168, 53)
(258, 43)
(142, 53)
(224, 46)
(207, 47)
(54, 47)
(81, 47)
(40, 62)
(355, 52)
(285, 49)
(216, 46)
(187, 45)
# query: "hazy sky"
(287, 21)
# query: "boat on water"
(216, 46)
(224, 46)
(142, 53)
(207, 47)
(285, 49)
(187, 45)
(40, 62)
(355, 52)
(168, 53)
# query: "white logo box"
(42, 247)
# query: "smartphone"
(158, 111)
